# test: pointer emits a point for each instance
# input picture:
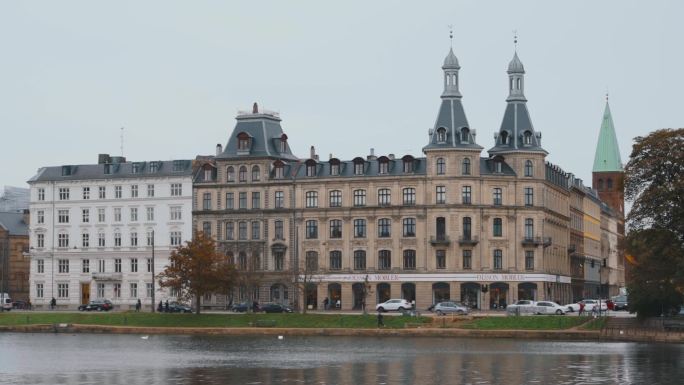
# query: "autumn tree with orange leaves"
(197, 268)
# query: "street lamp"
(152, 270)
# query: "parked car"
(175, 307)
(589, 305)
(549, 307)
(97, 305)
(394, 304)
(20, 305)
(240, 307)
(450, 307)
(620, 302)
(5, 301)
(275, 308)
(522, 307)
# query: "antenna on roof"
(515, 39)
(122, 132)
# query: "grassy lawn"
(207, 320)
(595, 324)
(524, 323)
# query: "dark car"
(620, 302)
(275, 308)
(175, 307)
(21, 305)
(97, 305)
(240, 307)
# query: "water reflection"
(126, 360)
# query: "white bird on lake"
(145, 337)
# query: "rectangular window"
(497, 231)
(40, 266)
(85, 215)
(40, 240)
(101, 240)
(256, 230)
(409, 196)
(117, 192)
(85, 264)
(409, 259)
(384, 197)
(243, 200)
(149, 266)
(335, 198)
(134, 214)
(279, 232)
(63, 240)
(529, 260)
(175, 238)
(497, 196)
(40, 216)
(150, 238)
(101, 215)
(41, 194)
(359, 198)
(440, 195)
(384, 260)
(466, 195)
(278, 261)
(117, 214)
(206, 201)
(150, 213)
(409, 227)
(206, 228)
(134, 191)
(230, 201)
(63, 265)
(134, 290)
(176, 189)
(86, 193)
(150, 190)
(529, 228)
(63, 290)
(359, 260)
(148, 287)
(242, 231)
(63, 193)
(100, 290)
(39, 290)
(335, 228)
(311, 229)
(85, 240)
(384, 227)
(134, 239)
(529, 196)
(230, 231)
(117, 265)
(279, 199)
(102, 192)
(335, 260)
(359, 228)
(175, 213)
(101, 266)
(63, 216)
(311, 199)
(498, 260)
(134, 265)
(117, 290)
(256, 200)
(467, 259)
(440, 259)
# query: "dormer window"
(383, 165)
(527, 138)
(465, 133)
(177, 165)
(108, 169)
(207, 174)
(358, 166)
(504, 137)
(334, 167)
(278, 170)
(154, 166)
(310, 167)
(283, 143)
(136, 168)
(498, 166)
(441, 135)
(230, 174)
(407, 164)
(243, 141)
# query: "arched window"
(243, 141)
(504, 137)
(465, 166)
(441, 166)
(310, 167)
(230, 174)
(519, 85)
(242, 175)
(283, 143)
(279, 171)
(242, 261)
(609, 184)
(383, 165)
(511, 84)
(528, 168)
(441, 135)
(465, 132)
(453, 79)
(256, 174)
(408, 164)
(359, 164)
(527, 138)
(600, 184)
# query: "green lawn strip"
(594, 324)
(524, 323)
(207, 320)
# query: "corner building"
(450, 225)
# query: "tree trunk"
(197, 303)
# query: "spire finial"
(451, 35)
(515, 39)
(122, 141)
(606, 94)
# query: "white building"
(93, 227)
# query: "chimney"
(219, 149)
(372, 155)
(330, 156)
(255, 108)
(103, 158)
(26, 217)
(391, 156)
(312, 154)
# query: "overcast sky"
(345, 76)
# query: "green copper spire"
(607, 158)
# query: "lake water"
(130, 359)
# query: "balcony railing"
(468, 240)
(107, 276)
(537, 241)
(440, 240)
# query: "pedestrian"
(255, 306)
(581, 309)
(338, 304)
(326, 302)
(166, 306)
(160, 307)
(380, 321)
(53, 303)
(138, 305)
(28, 304)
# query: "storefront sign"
(436, 277)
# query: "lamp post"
(152, 270)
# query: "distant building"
(93, 227)
(14, 263)
(14, 199)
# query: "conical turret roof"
(607, 157)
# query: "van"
(5, 301)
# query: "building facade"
(14, 246)
(96, 227)
(448, 225)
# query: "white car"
(549, 307)
(394, 304)
(524, 306)
(589, 305)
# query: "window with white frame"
(100, 290)
(175, 213)
(117, 239)
(41, 194)
(176, 189)
(134, 265)
(359, 228)
(466, 195)
(148, 293)
(86, 193)
(85, 266)
(358, 167)
(134, 239)
(101, 239)
(40, 216)
(279, 199)
(63, 265)
(117, 265)
(242, 174)
(102, 192)
(311, 229)
(230, 174)
(335, 198)
(101, 215)
(150, 190)
(117, 214)
(63, 193)
(85, 215)
(62, 216)
(118, 192)
(39, 290)
(134, 289)
(497, 196)
(85, 240)
(256, 174)
(150, 237)
(149, 213)
(101, 266)
(311, 199)
(359, 197)
(117, 290)
(175, 238)
(63, 240)
(134, 191)
(440, 192)
(40, 240)
(409, 196)
(63, 290)
(40, 266)
(149, 265)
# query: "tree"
(306, 277)
(656, 283)
(654, 181)
(196, 269)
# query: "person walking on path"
(381, 324)
(581, 309)
(326, 302)
(166, 306)
(53, 303)
(160, 307)
(138, 305)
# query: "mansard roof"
(452, 119)
(371, 168)
(14, 223)
(123, 170)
